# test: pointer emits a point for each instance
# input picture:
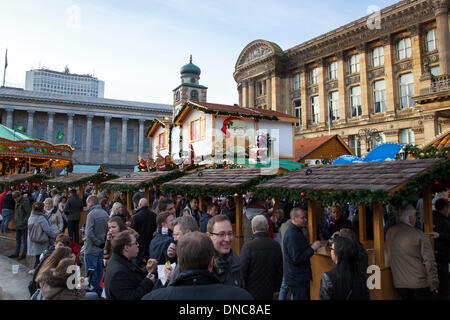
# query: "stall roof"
(137, 180)
(385, 176)
(281, 163)
(11, 179)
(216, 182)
(76, 179)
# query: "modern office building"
(44, 80)
(382, 78)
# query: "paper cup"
(15, 268)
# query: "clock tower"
(189, 89)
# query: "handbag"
(37, 295)
(37, 234)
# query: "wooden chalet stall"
(15, 180)
(137, 180)
(80, 180)
(374, 184)
(217, 182)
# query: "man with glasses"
(123, 279)
(227, 265)
(96, 230)
(196, 281)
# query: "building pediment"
(256, 51)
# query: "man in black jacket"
(297, 252)
(123, 279)
(262, 276)
(144, 222)
(196, 281)
(72, 211)
(163, 238)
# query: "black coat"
(262, 275)
(333, 289)
(144, 223)
(297, 251)
(73, 208)
(158, 248)
(442, 226)
(198, 285)
(124, 280)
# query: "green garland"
(411, 193)
(197, 191)
(97, 176)
(38, 176)
(131, 188)
(427, 152)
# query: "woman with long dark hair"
(346, 281)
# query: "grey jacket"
(96, 229)
(34, 248)
(73, 208)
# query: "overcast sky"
(138, 47)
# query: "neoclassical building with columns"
(382, 78)
(102, 131)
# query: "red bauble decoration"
(436, 182)
(302, 194)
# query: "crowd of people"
(167, 248)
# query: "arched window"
(194, 95)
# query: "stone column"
(239, 88)
(343, 110)
(306, 107)
(389, 57)
(430, 126)
(87, 154)
(141, 138)
(251, 94)
(50, 127)
(364, 63)
(123, 155)
(106, 141)
(443, 36)
(70, 128)
(416, 56)
(269, 92)
(9, 117)
(30, 123)
(323, 98)
(244, 94)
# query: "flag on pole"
(4, 69)
(20, 128)
(331, 116)
(59, 135)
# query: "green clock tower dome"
(190, 69)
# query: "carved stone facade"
(382, 67)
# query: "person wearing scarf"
(163, 238)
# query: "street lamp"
(369, 135)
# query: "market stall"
(219, 182)
(138, 180)
(375, 184)
(80, 180)
(20, 153)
